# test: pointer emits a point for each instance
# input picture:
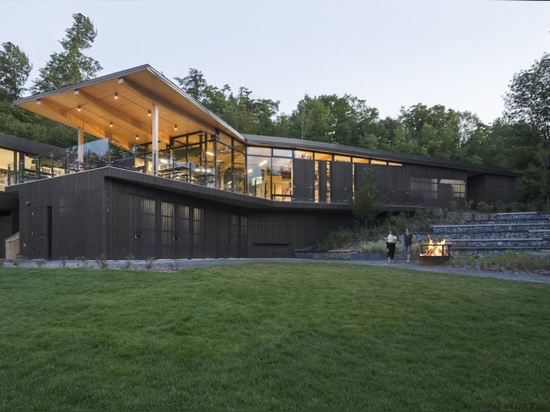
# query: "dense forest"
(518, 141)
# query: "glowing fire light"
(436, 249)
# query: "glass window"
(378, 162)
(225, 139)
(299, 154)
(427, 186)
(282, 152)
(280, 186)
(259, 176)
(241, 147)
(239, 176)
(459, 186)
(339, 158)
(323, 156)
(259, 151)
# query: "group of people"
(408, 239)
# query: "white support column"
(155, 134)
(80, 147)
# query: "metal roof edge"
(207, 111)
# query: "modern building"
(169, 179)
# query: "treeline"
(518, 141)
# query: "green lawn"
(271, 336)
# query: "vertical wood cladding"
(304, 180)
(276, 234)
(341, 182)
(144, 222)
(121, 214)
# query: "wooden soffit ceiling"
(120, 106)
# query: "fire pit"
(434, 253)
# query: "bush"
(336, 239)
(128, 262)
(101, 261)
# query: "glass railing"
(71, 160)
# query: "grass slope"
(271, 336)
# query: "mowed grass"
(271, 336)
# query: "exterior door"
(41, 222)
(145, 235)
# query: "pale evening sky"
(391, 53)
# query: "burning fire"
(436, 249)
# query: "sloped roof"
(284, 142)
(119, 106)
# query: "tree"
(193, 84)
(14, 71)
(367, 200)
(528, 99)
(311, 120)
(70, 66)
(434, 131)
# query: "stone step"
(539, 217)
(517, 231)
(488, 235)
(490, 228)
(499, 243)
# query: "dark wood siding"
(322, 182)
(304, 180)
(276, 234)
(341, 182)
(491, 189)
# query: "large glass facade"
(223, 162)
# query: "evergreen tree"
(14, 71)
(70, 66)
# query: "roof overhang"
(119, 106)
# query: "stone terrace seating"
(529, 231)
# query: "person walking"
(390, 242)
(408, 239)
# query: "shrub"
(101, 261)
(336, 239)
(128, 262)
(83, 261)
(149, 263)
(19, 260)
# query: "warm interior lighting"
(38, 101)
(149, 113)
(137, 137)
(210, 153)
(263, 163)
(175, 127)
(111, 124)
(79, 108)
(116, 95)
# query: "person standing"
(391, 241)
(408, 239)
